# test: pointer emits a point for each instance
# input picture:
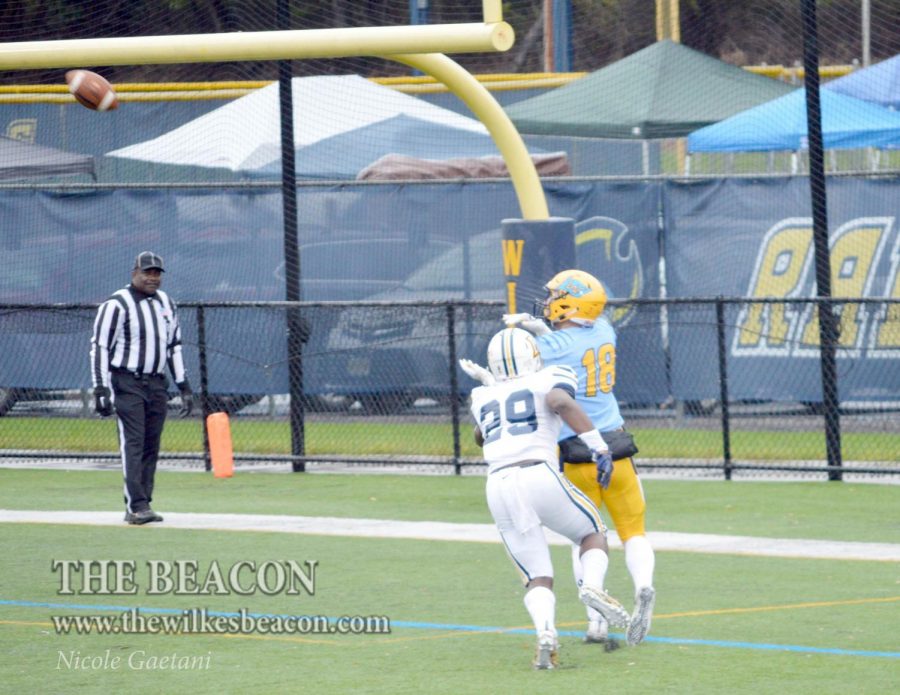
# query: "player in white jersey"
(584, 340)
(520, 411)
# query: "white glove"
(477, 372)
(531, 324)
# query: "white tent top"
(245, 133)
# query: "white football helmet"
(513, 352)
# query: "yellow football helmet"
(574, 295)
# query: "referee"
(136, 334)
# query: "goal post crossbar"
(258, 45)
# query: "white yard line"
(477, 533)
(677, 469)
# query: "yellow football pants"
(624, 499)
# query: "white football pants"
(523, 499)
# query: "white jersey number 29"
(518, 412)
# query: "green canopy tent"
(666, 90)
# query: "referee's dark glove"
(187, 399)
(102, 401)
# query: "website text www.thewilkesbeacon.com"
(201, 621)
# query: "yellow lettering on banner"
(601, 234)
(24, 129)
(888, 335)
(512, 256)
(778, 274)
(852, 256)
(511, 297)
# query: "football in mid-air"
(92, 90)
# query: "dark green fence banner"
(391, 243)
(754, 238)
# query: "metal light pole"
(418, 11)
(866, 33)
(557, 35)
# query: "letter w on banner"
(533, 252)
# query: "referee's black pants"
(140, 402)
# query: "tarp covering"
(663, 91)
(781, 125)
(879, 83)
(20, 160)
(344, 155)
(245, 135)
(393, 167)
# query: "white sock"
(578, 570)
(640, 561)
(541, 605)
(594, 564)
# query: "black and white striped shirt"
(138, 333)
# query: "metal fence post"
(454, 387)
(723, 386)
(204, 384)
(827, 322)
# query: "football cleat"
(640, 620)
(547, 655)
(613, 611)
(597, 632)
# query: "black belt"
(136, 375)
(520, 464)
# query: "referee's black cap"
(147, 259)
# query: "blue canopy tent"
(878, 84)
(780, 124)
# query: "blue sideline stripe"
(484, 628)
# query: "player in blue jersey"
(583, 339)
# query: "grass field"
(432, 439)
(724, 623)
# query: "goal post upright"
(481, 102)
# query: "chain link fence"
(711, 387)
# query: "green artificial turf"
(373, 437)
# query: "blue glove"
(604, 467)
